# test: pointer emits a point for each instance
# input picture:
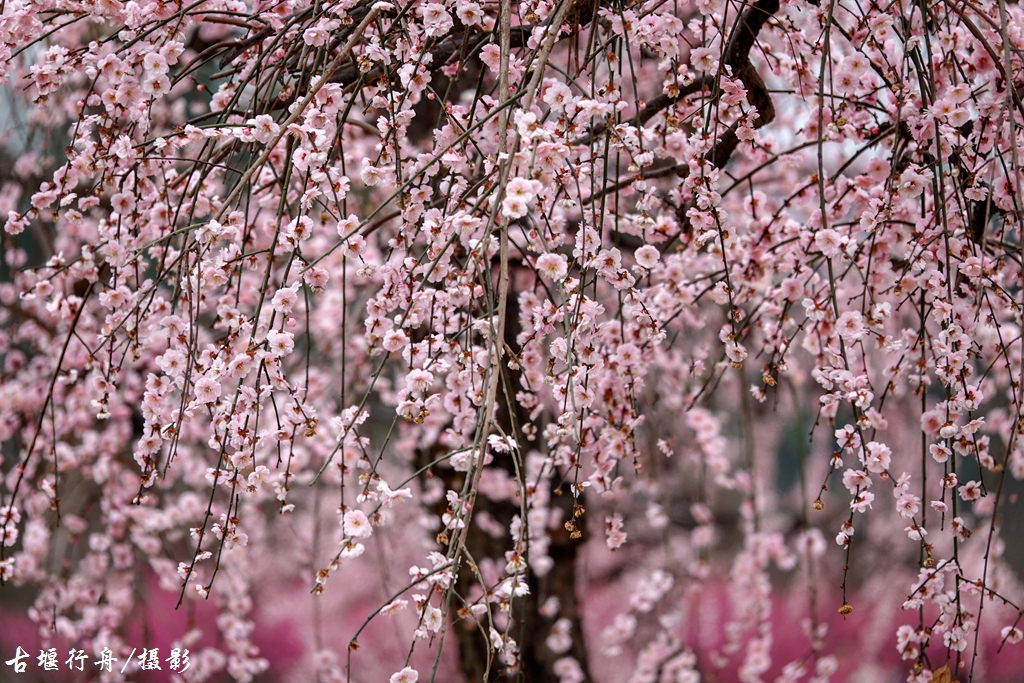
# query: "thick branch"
(737, 57)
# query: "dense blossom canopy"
(298, 294)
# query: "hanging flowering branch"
(588, 311)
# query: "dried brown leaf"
(942, 675)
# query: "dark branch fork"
(737, 57)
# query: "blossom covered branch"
(541, 322)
